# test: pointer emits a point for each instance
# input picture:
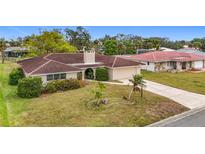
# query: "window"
(148, 63)
(49, 77)
(56, 76)
(63, 76)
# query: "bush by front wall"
(63, 85)
(15, 75)
(102, 74)
(29, 87)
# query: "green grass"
(71, 108)
(10, 104)
(193, 82)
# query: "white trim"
(114, 61)
(47, 55)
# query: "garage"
(198, 64)
(123, 72)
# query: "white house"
(163, 61)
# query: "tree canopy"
(48, 42)
(72, 40)
(79, 38)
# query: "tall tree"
(48, 42)
(16, 43)
(2, 48)
(197, 45)
(79, 37)
(110, 47)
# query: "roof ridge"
(61, 63)
(47, 55)
(114, 61)
(40, 67)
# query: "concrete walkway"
(188, 99)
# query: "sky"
(171, 32)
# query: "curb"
(175, 118)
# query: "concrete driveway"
(188, 99)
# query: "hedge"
(102, 74)
(29, 87)
(63, 85)
(15, 75)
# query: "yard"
(193, 82)
(71, 108)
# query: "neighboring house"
(15, 52)
(141, 51)
(192, 50)
(65, 66)
(166, 49)
(163, 61)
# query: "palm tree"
(2, 48)
(138, 84)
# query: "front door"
(183, 65)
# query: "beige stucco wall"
(123, 72)
(89, 57)
(150, 67)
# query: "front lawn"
(10, 104)
(193, 82)
(71, 108)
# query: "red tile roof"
(159, 56)
(70, 62)
(31, 64)
(54, 67)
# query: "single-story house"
(15, 52)
(192, 50)
(64, 66)
(141, 51)
(163, 61)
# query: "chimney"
(89, 57)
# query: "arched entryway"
(89, 73)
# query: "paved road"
(188, 99)
(192, 118)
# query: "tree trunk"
(3, 57)
(130, 94)
(141, 90)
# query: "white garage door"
(198, 64)
(124, 73)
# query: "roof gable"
(54, 67)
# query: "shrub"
(102, 74)
(29, 87)
(15, 75)
(63, 85)
(79, 75)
